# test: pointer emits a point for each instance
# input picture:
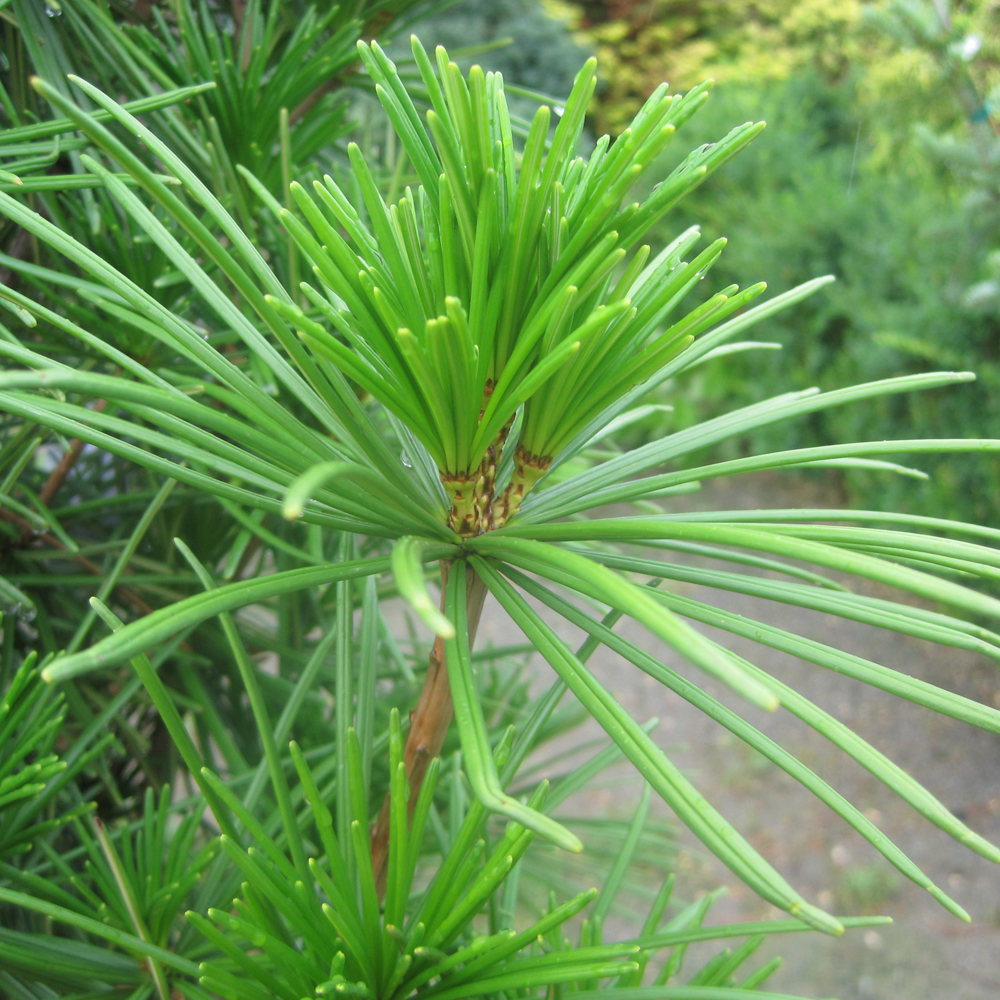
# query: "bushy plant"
(640, 44)
(528, 42)
(430, 398)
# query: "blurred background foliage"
(881, 165)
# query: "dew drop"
(405, 459)
(52, 9)
(15, 609)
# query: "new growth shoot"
(509, 280)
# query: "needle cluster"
(509, 278)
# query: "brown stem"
(65, 465)
(239, 10)
(28, 535)
(429, 722)
(372, 30)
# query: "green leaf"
(167, 710)
(60, 126)
(904, 618)
(718, 835)
(546, 510)
(258, 706)
(479, 763)
(726, 717)
(407, 570)
(624, 858)
(161, 624)
(764, 540)
(128, 942)
(737, 422)
(588, 577)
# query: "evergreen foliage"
(220, 796)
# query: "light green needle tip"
(434, 619)
(948, 903)
(817, 918)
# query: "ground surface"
(926, 952)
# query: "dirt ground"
(926, 952)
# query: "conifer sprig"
(499, 282)
(499, 317)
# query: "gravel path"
(926, 952)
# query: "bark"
(429, 723)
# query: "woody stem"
(65, 465)
(429, 722)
